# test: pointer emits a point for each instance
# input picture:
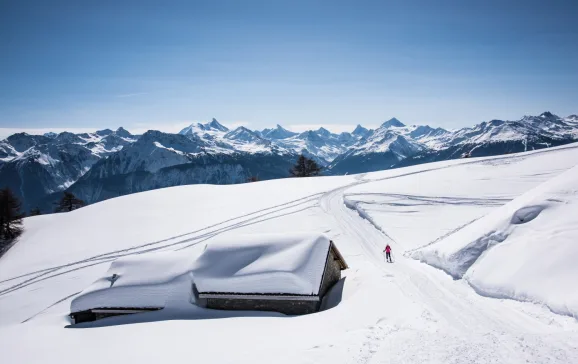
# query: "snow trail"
(504, 331)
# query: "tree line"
(11, 215)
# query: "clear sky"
(163, 64)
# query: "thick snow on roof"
(289, 264)
(524, 250)
(145, 280)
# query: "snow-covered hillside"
(406, 312)
(520, 249)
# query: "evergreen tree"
(305, 167)
(35, 212)
(10, 218)
(253, 179)
(68, 202)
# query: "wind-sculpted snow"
(524, 250)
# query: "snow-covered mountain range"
(107, 163)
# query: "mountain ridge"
(38, 166)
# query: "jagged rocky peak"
(310, 135)
(67, 137)
(50, 135)
(360, 130)
(278, 132)
(345, 136)
(323, 132)
(421, 131)
(22, 141)
(104, 132)
(122, 132)
(214, 124)
(547, 114)
(178, 141)
(393, 122)
(242, 133)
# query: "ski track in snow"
(190, 240)
(471, 316)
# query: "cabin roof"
(264, 264)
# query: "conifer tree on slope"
(10, 218)
(305, 167)
(68, 202)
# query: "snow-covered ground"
(405, 312)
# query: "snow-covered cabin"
(288, 273)
(285, 273)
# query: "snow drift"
(525, 250)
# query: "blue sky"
(163, 64)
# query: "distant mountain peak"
(122, 132)
(278, 133)
(104, 132)
(322, 131)
(393, 122)
(50, 135)
(214, 124)
(360, 130)
(546, 114)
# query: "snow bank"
(525, 250)
(290, 264)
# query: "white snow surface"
(288, 263)
(405, 312)
(524, 250)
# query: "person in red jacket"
(387, 251)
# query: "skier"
(387, 251)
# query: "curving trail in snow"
(455, 325)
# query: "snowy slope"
(402, 312)
(519, 250)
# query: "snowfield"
(405, 312)
(525, 250)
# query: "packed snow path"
(470, 328)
